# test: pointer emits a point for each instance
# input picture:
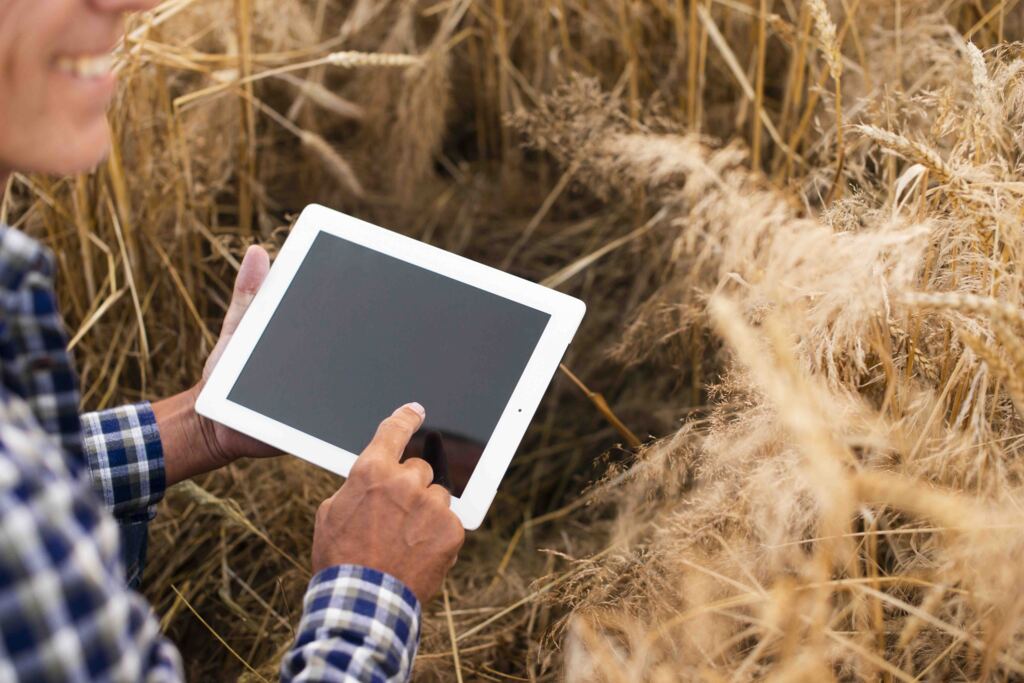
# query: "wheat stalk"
(827, 34)
(346, 60)
(325, 98)
(231, 511)
(335, 163)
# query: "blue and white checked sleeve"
(126, 460)
(65, 611)
(358, 625)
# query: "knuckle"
(368, 469)
(421, 468)
(322, 510)
(440, 497)
(421, 499)
(405, 482)
(450, 548)
(431, 506)
(408, 469)
(455, 533)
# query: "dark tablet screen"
(359, 333)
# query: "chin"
(91, 147)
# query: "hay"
(815, 333)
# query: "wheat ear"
(826, 30)
(969, 303)
(999, 367)
(910, 150)
(351, 60)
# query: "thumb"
(251, 274)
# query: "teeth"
(86, 67)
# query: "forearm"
(189, 444)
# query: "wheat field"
(787, 443)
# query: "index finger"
(394, 433)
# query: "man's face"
(56, 81)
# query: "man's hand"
(387, 516)
(193, 444)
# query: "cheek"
(48, 121)
(22, 88)
(49, 126)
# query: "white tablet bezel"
(566, 314)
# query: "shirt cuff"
(361, 615)
(126, 459)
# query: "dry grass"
(798, 229)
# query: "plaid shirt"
(70, 485)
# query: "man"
(69, 483)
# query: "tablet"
(354, 321)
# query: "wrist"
(205, 434)
(189, 440)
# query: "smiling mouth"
(96, 66)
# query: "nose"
(124, 5)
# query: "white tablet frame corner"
(566, 314)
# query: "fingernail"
(416, 408)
